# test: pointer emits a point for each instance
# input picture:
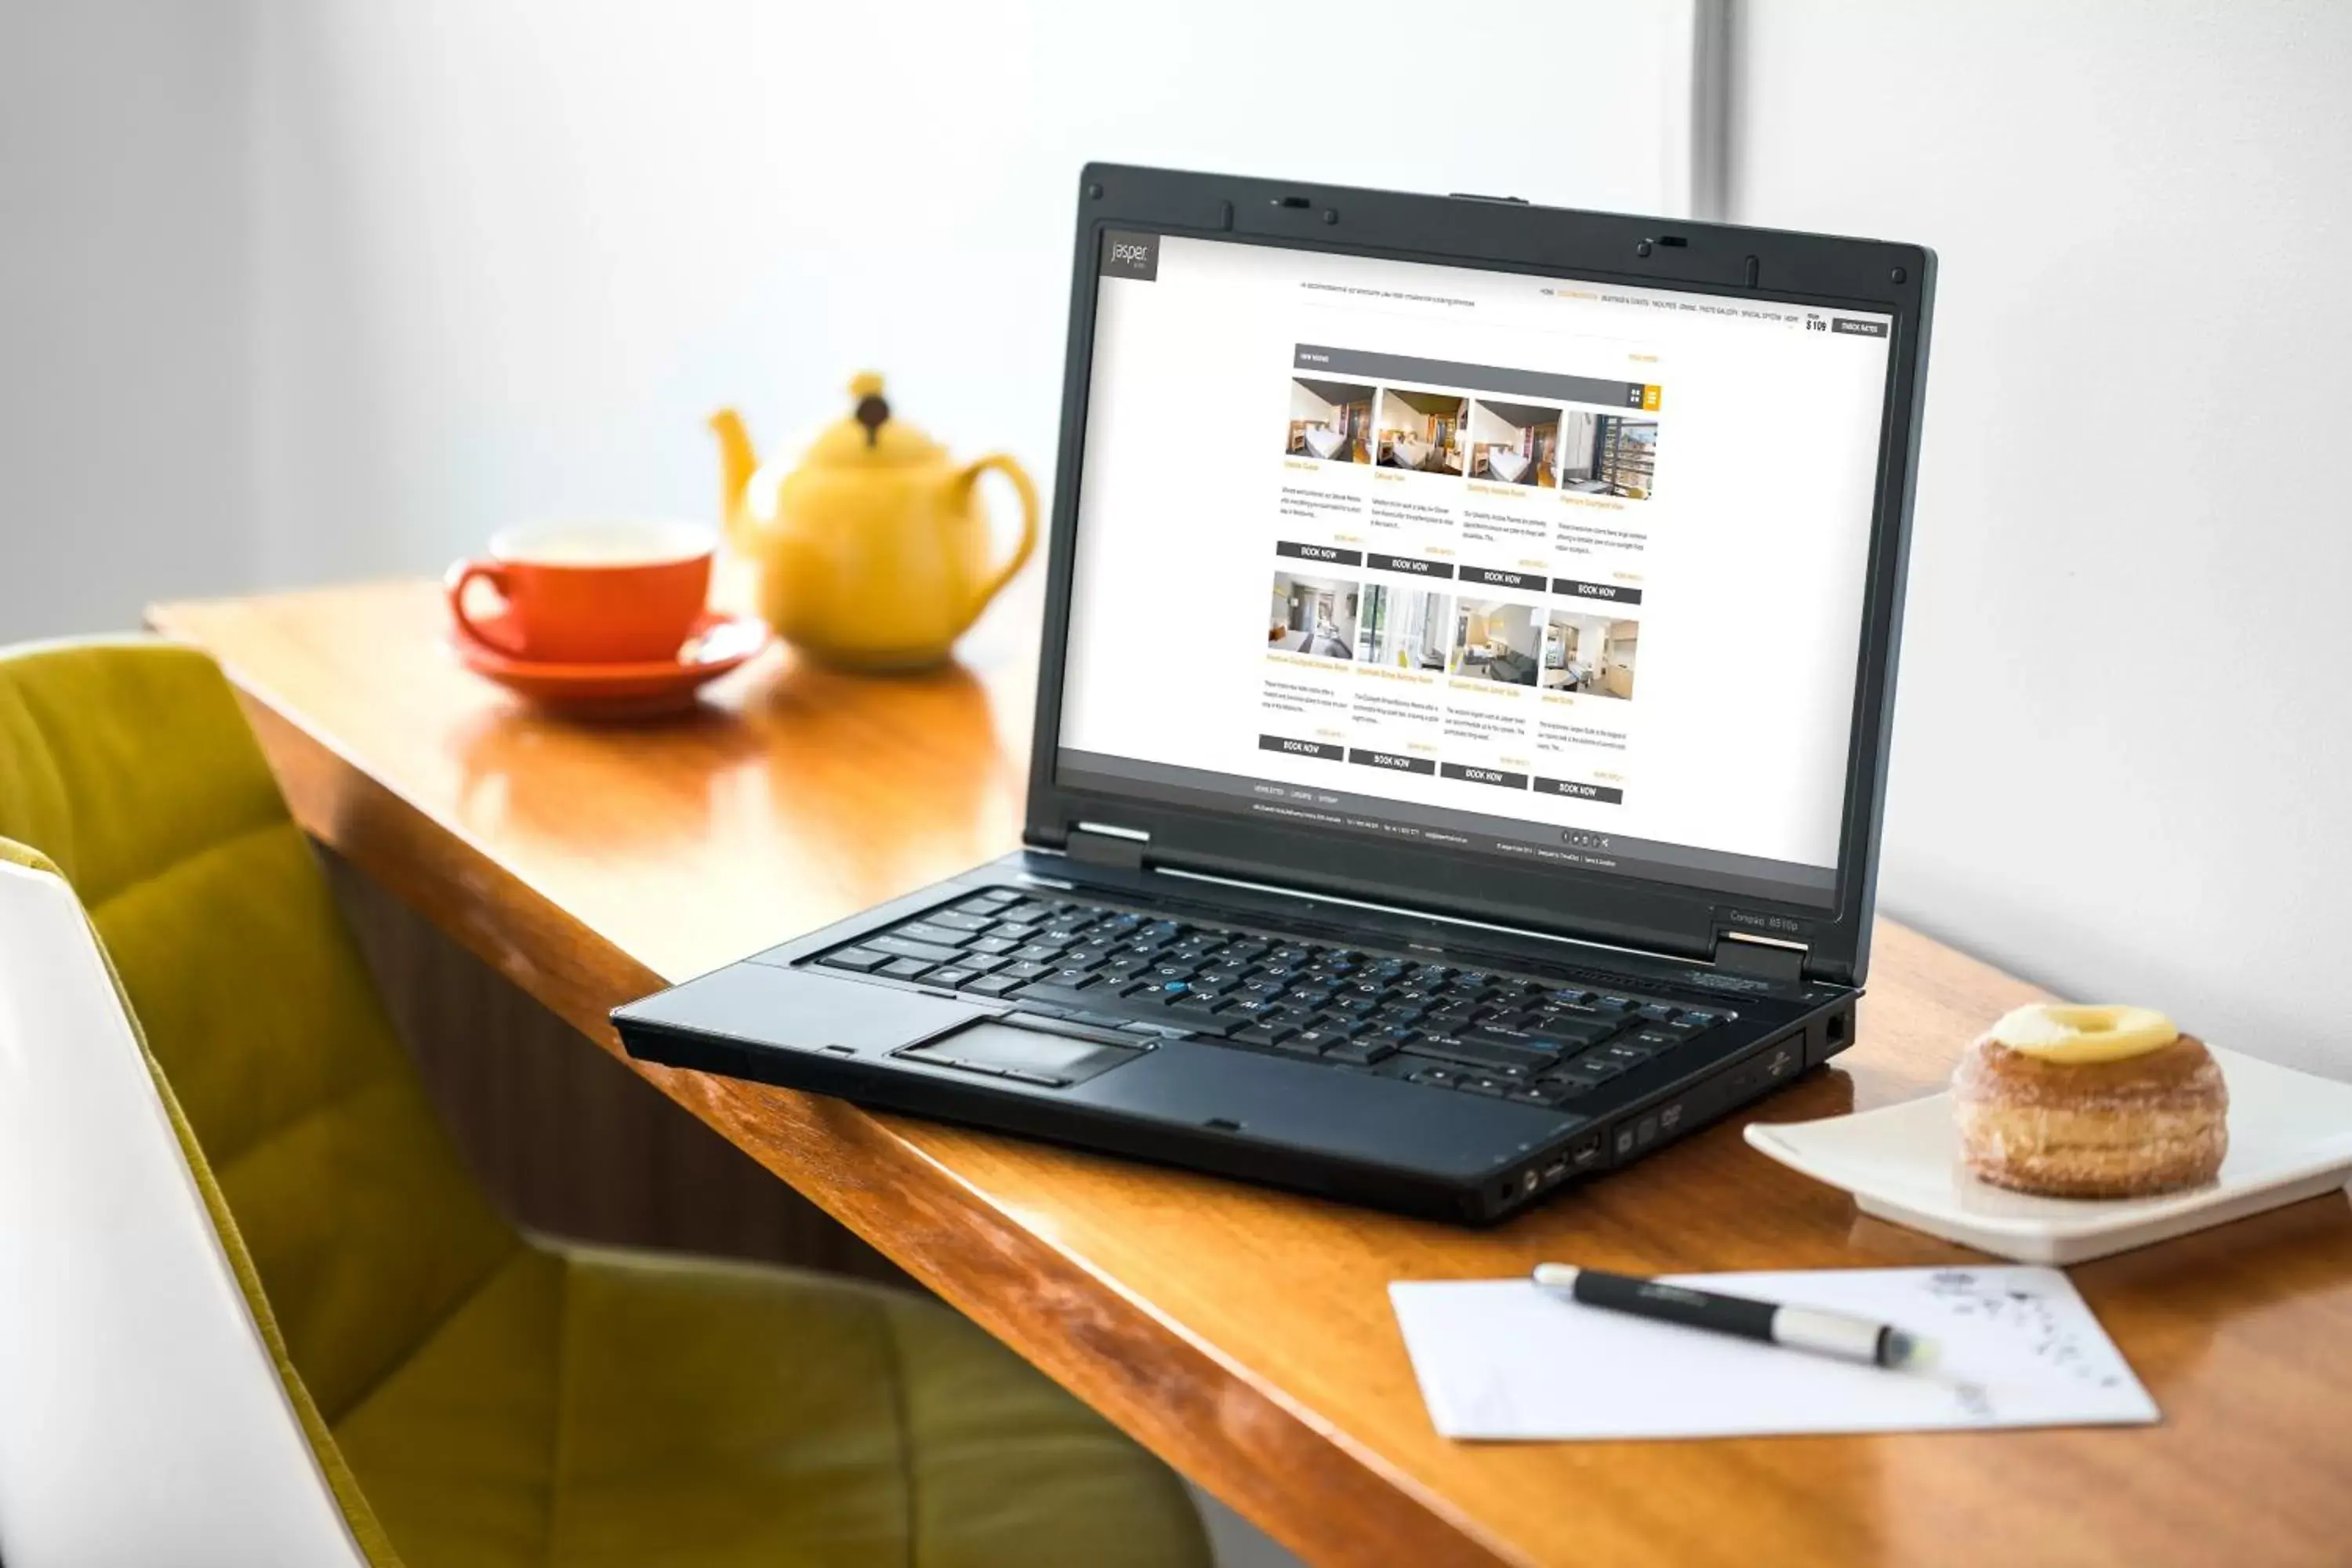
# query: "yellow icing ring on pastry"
(2057, 1033)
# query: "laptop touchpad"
(1023, 1054)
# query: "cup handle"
(463, 576)
(1004, 464)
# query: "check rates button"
(1495, 776)
(1395, 762)
(1604, 793)
(1325, 750)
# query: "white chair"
(142, 1418)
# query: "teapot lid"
(869, 436)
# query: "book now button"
(1326, 749)
(1395, 762)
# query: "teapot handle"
(970, 476)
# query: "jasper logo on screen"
(1128, 254)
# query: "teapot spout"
(736, 463)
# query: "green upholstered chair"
(256, 1310)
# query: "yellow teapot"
(873, 553)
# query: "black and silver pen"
(1838, 1334)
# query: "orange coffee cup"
(617, 592)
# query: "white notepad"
(1500, 1359)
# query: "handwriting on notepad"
(1966, 1294)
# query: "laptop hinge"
(1767, 958)
(1102, 844)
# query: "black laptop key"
(1567, 1021)
(1264, 1033)
(904, 947)
(1360, 1052)
(858, 958)
(991, 945)
(994, 984)
(1093, 999)
(954, 976)
(1482, 1053)
(905, 969)
(931, 931)
(1199, 1015)
(1522, 1044)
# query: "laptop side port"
(1826, 1036)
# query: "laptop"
(1462, 723)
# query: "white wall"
(1311, 406)
(2136, 417)
(127, 309)
(351, 284)
(1486, 425)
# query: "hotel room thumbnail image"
(1313, 615)
(1421, 430)
(1406, 629)
(1590, 654)
(1331, 420)
(1495, 640)
(1514, 443)
(1608, 455)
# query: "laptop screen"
(1513, 566)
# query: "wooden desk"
(1245, 1335)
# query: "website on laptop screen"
(1515, 566)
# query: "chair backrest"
(142, 1415)
(129, 765)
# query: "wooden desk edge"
(1146, 1374)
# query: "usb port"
(1555, 1171)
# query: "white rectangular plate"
(2290, 1139)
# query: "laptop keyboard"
(1469, 1030)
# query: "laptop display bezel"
(1604, 906)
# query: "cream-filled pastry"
(2090, 1103)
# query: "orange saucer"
(719, 643)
